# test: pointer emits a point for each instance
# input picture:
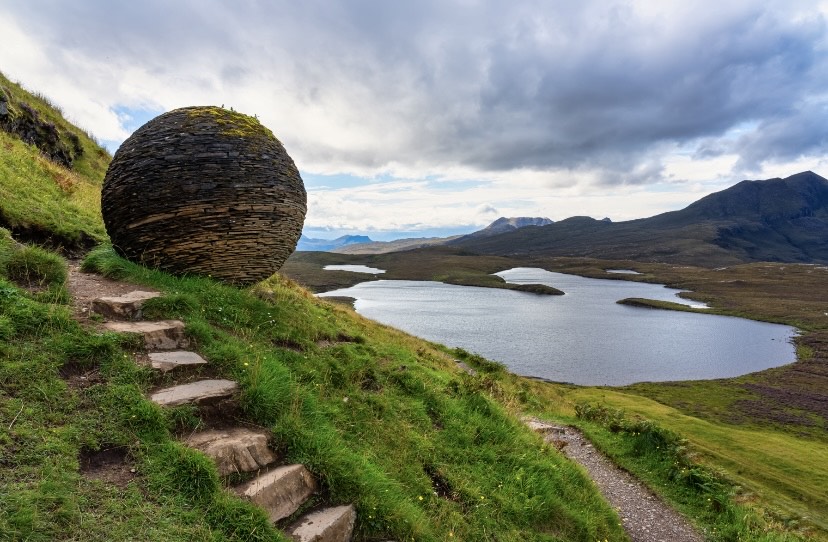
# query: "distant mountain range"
(782, 220)
(501, 225)
(326, 245)
(383, 247)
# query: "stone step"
(280, 491)
(195, 392)
(234, 450)
(161, 335)
(333, 524)
(125, 307)
(167, 361)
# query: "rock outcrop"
(204, 190)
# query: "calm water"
(583, 337)
(354, 269)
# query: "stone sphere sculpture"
(207, 191)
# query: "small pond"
(354, 269)
(583, 337)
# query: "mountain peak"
(505, 225)
(513, 223)
(799, 195)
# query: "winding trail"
(645, 517)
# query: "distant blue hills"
(324, 245)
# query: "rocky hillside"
(505, 225)
(50, 174)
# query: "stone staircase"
(278, 489)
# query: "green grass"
(782, 478)
(44, 198)
(384, 420)
(673, 468)
(44, 201)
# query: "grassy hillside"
(42, 199)
(386, 421)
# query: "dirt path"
(85, 287)
(646, 517)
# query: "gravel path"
(646, 517)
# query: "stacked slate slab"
(207, 191)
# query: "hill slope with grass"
(425, 449)
(390, 423)
(782, 220)
(50, 174)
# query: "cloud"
(786, 138)
(486, 209)
(552, 96)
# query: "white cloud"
(547, 109)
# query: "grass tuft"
(33, 266)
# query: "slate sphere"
(207, 191)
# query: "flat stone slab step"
(195, 392)
(234, 450)
(125, 307)
(335, 524)
(167, 361)
(160, 335)
(280, 491)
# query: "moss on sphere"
(207, 191)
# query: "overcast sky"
(434, 117)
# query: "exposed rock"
(234, 450)
(167, 361)
(24, 121)
(194, 393)
(126, 307)
(204, 190)
(160, 335)
(280, 491)
(465, 367)
(334, 524)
